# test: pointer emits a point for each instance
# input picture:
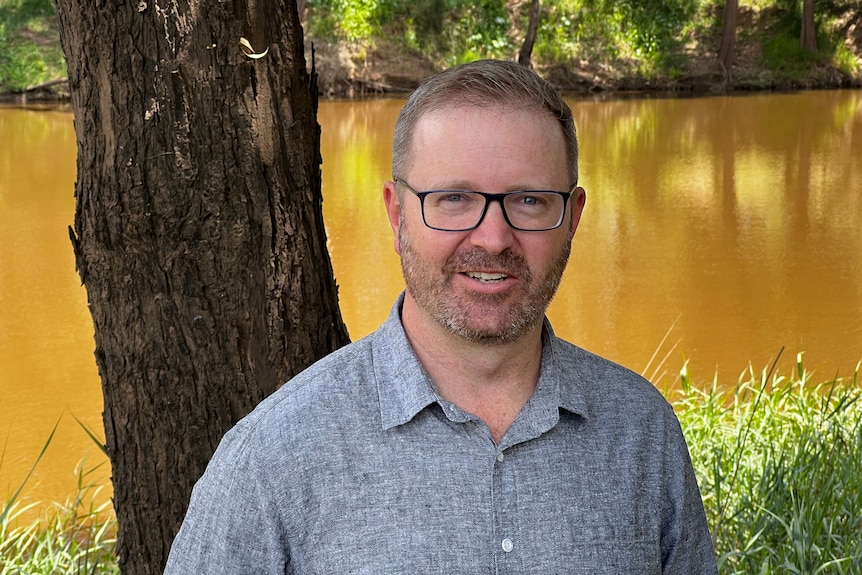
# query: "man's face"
(494, 283)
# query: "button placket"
(505, 498)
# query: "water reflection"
(730, 221)
(733, 222)
(48, 374)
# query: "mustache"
(506, 262)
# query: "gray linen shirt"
(358, 466)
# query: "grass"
(778, 459)
(76, 537)
(784, 55)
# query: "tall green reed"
(9, 506)
(779, 461)
(76, 537)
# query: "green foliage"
(646, 33)
(846, 61)
(22, 65)
(29, 44)
(785, 55)
(448, 30)
(428, 17)
(342, 20)
(32, 13)
(77, 538)
(645, 38)
(782, 54)
(778, 463)
(482, 28)
(653, 30)
(835, 20)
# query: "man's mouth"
(487, 277)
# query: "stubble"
(431, 288)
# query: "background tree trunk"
(526, 53)
(808, 38)
(728, 38)
(198, 234)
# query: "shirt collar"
(405, 389)
(567, 382)
(403, 386)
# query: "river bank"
(378, 72)
(343, 74)
(767, 57)
(603, 49)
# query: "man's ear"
(577, 203)
(393, 211)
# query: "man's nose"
(493, 234)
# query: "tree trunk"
(808, 38)
(728, 38)
(198, 234)
(526, 53)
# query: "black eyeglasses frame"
(488, 199)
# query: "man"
(462, 436)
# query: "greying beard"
(428, 291)
(513, 331)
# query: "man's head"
(483, 84)
(494, 128)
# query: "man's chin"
(490, 333)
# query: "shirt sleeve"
(231, 527)
(686, 544)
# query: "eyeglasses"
(464, 210)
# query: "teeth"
(485, 277)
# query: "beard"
(518, 313)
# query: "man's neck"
(493, 382)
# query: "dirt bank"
(356, 71)
(380, 74)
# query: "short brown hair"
(483, 84)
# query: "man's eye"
(451, 198)
(531, 200)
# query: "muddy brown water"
(717, 230)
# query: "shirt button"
(508, 545)
(500, 457)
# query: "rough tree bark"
(808, 38)
(525, 55)
(728, 39)
(198, 233)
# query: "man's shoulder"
(352, 362)
(336, 385)
(605, 381)
(587, 363)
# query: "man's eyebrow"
(467, 186)
(463, 185)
